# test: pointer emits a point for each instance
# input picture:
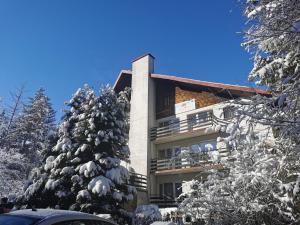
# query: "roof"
(125, 74)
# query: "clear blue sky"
(61, 44)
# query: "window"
(17, 220)
(169, 153)
(170, 190)
(205, 146)
(228, 112)
(178, 189)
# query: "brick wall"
(202, 98)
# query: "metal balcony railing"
(196, 160)
(193, 122)
(164, 201)
(139, 181)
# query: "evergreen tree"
(84, 171)
(36, 127)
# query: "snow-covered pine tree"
(36, 127)
(3, 125)
(85, 172)
(11, 115)
(261, 185)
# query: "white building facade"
(170, 116)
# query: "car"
(51, 217)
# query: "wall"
(203, 98)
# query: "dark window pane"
(169, 153)
(228, 112)
(16, 220)
(178, 189)
(161, 154)
(161, 190)
(168, 190)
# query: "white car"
(51, 217)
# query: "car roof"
(54, 214)
(43, 213)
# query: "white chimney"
(142, 116)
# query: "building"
(170, 115)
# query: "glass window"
(178, 189)
(161, 154)
(196, 148)
(16, 220)
(161, 190)
(177, 151)
(208, 146)
(169, 153)
(168, 190)
(228, 112)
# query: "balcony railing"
(139, 181)
(193, 122)
(195, 160)
(164, 201)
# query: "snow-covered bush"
(83, 171)
(13, 169)
(146, 214)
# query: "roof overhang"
(126, 74)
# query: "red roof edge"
(195, 82)
(210, 84)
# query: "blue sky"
(62, 44)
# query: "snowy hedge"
(146, 214)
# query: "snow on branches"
(260, 180)
(84, 171)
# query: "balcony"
(194, 163)
(164, 201)
(139, 181)
(193, 124)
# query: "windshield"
(17, 220)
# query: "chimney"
(142, 116)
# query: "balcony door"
(170, 190)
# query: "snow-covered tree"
(36, 127)
(12, 172)
(9, 120)
(146, 215)
(261, 177)
(84, 171)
